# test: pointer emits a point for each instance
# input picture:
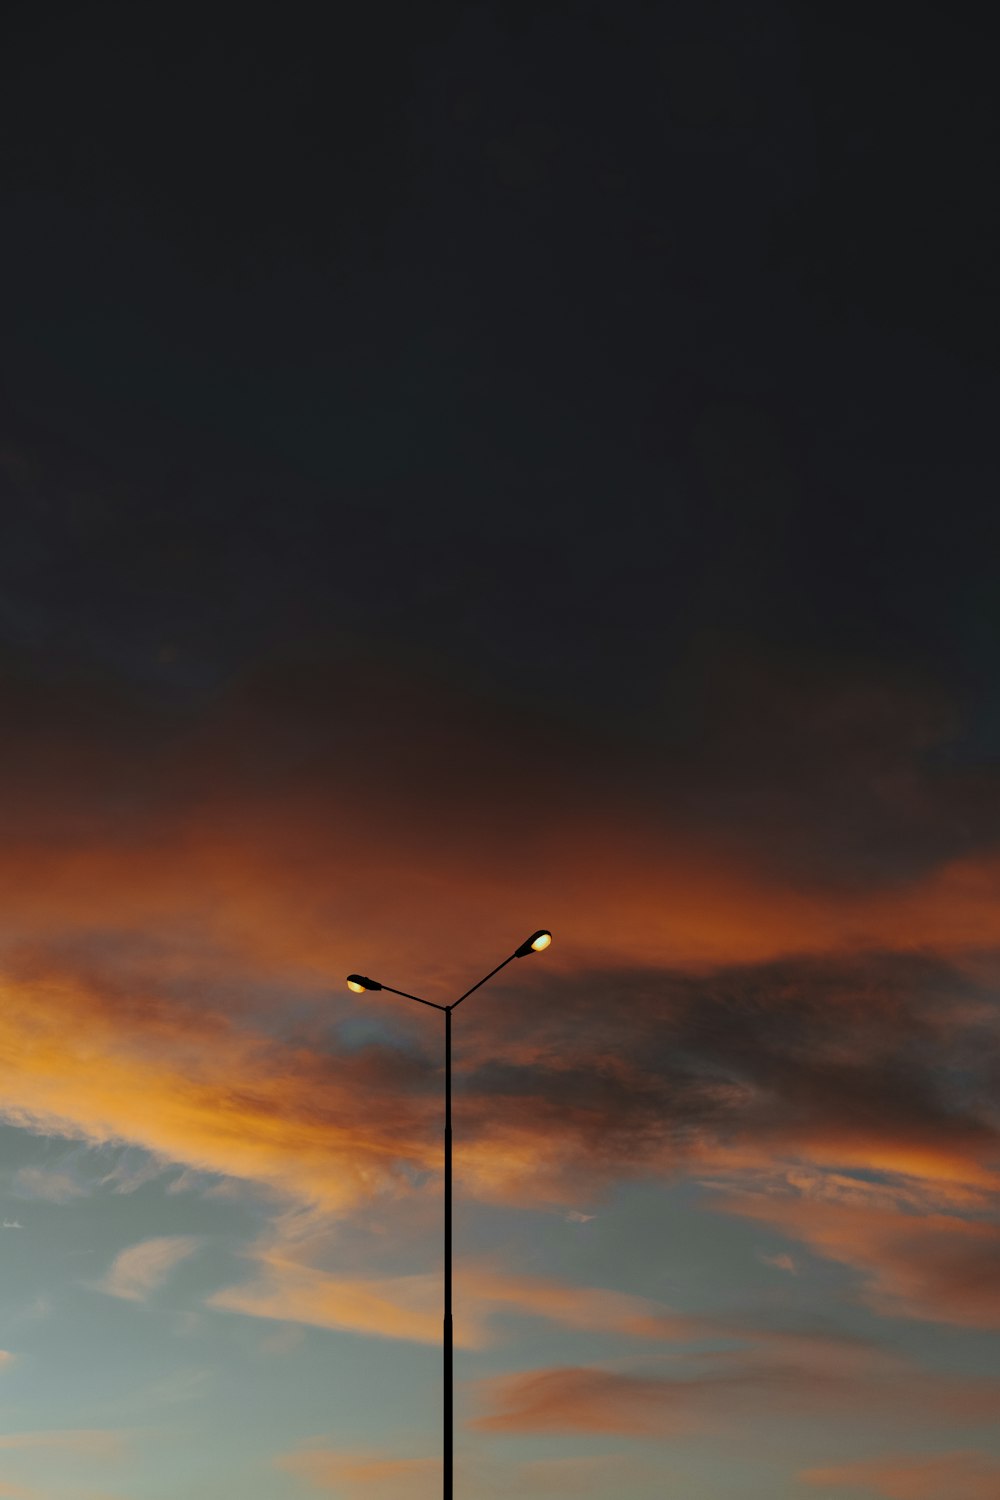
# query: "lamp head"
(358, 983)
(535, 944)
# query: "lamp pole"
(359, 983)
(448, 1371)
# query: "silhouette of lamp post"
(359, 984)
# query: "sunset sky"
(470, 468)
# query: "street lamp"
(359, 983)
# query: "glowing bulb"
(534, 944)
(358, 989)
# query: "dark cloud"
(860, 1062)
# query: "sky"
(470, 468)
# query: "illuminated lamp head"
(537, 942)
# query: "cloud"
(854, 1053)
(49, 1184)
(86, 1442)
(140, 1269)
(848, 1063)
(282, 1341)
(409, 1307)
(129, 1174)
(583, 1400)
(402, 1307)
(861, 1061)
(365, 1475)
(373, 1476)
(966, 1475)
(6, 1358)
(192, 1384)
(821, 1377)
(781, 1262)
(194, 1088)
(236, 829)
(577, 1476)
(933, 1266)
(596, 1309)
(777, 1003)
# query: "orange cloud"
(960, 1476)
(409, 1307)
(365, 1474)
(277, 900)
(370, 1476)
(584, 1400)
(275, 838)
(193, 1088)
(733, 1390)
(401, 1307)
(732, 1072)
(155, 882)
(266, 846)
(933, 1266)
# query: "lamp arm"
(481, 982)
(432, 1003)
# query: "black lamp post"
(359, 983)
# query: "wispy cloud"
(131, 1171)
(781, 1262)
(965, 1475)
(409, 1307)
(139, 1270)
(935, 1266)
(585, 1400)
(374, 1476)
(807, 1376)
(48, 1184)
(401, 1307)
(87, 1442)
(367, 1475)
(13, 1491)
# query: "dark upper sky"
(625, 370)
